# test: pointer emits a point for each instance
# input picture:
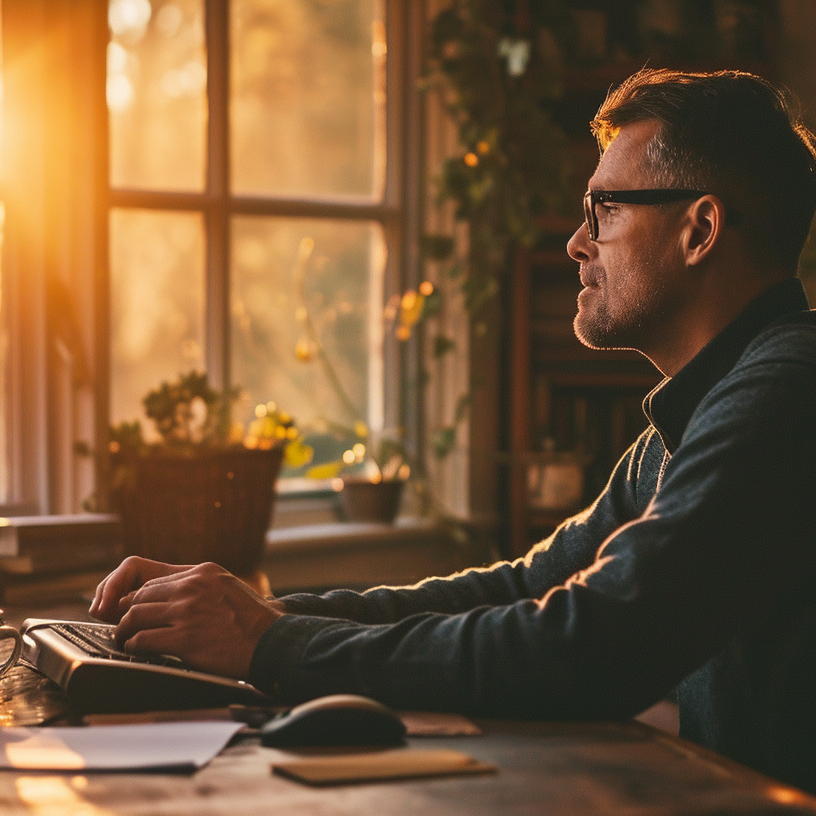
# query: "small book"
(59, 544)
(333, 769)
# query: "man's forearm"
(571, 548)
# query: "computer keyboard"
(98, 640)
(99, 677)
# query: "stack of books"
(46, 558)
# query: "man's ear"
(706, 220)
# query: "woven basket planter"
(188, 507)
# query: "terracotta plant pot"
(363, 500)
(205, 505)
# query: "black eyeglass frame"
(662, 195)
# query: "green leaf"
(462, 407)
(432, 304)
(456, 270)
(437, 247)
(447, 26)
(443, 441)
(442, 345)
(477, 291)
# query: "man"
(696, 567)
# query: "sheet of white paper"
(179, 745)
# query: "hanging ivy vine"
(498, 68)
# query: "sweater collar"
(670, 405)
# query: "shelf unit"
(556, 387)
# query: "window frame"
(397, 211)
(57, 239)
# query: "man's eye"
(605, 212)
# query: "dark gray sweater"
(694, 569)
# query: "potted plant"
(373, 479)
(204, 490)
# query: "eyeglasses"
(11, 644)
(651, 197)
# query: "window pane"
(157, 81)
(307, 95)
(301, 288)
(157, 303)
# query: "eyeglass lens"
(590, 217)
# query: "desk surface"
(542, 768)
(586, 769)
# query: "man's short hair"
(732, 134)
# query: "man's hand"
(115, 594)
(202, 614)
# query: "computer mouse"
(338, 719)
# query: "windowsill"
(359, 555)
(301, 502)
(308, 547)
(14, 510)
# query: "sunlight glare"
(117, 58)
(53, 795)
(119, 92)
(129, 16)
(169, 20)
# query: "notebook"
(98, 677)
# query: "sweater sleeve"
(572, 547)
(664, 591)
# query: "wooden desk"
(575, 769)
(627, 768)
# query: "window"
(256, 210)
(143, 221)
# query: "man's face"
(631, 274)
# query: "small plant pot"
(362, 500)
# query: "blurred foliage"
(498, 68)
(188, 410)
(346, 446)
(189, 413)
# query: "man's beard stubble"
(597, 327)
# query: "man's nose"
(578, 245)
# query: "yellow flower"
(325, 471)
(411, 308)
(298, 453)
(304, 350)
